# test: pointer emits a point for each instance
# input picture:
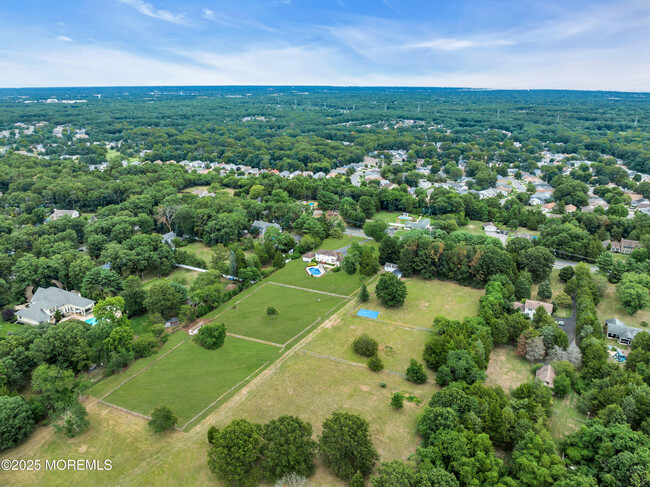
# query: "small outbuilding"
(546, 374)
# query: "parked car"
(560, 323)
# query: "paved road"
(344, 250)
(559, 264)
(570, 323)
(355, 232)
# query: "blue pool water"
(404, 217)
(314, 271)
(91, 321)
(366, 313)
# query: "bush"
(118, 360)
(364, 295)
(162, 419)
(415, 372)
(8, 314)
(345, 445)
(375, 364)
(390, 290)
(397, 401)
(365, 346)
(145, 345)
(271, 311)
(211, 335)
(561, 385)
(566, 273)
(73, 421)
(382, 385)
(16, 421)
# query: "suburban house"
(47, 301)
(331, 257)
(264, 226)
(309, 256)
(624, 246)
(529, 307)
(56, 214)
(618, 330)
(490, 227)
(422, 224)
(546, 375)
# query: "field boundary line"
(309, 290)
(243, 337)
(330, 311)
(140, 371)
(354, 364)
(225, 393)
(236, 302)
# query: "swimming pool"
(402, 217)
(314, 271)
(91, 321)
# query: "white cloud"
(63, 39)
(450, 44)
(228, 21)
(151, 11)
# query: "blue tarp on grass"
(366, 313)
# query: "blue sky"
(573, 44)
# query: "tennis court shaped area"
(366, 313)
(297, 309)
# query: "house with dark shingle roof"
(618, 330)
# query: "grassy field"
(103, 386)
(297, 309)
(566, 418)
(397, 345)
(506, 369)
(294, 274)
(474, 227)
(183, 276)
(312, 388)
(611, 307)
(6, 327)
(427, 299)
(112, 153)
(308, 387)
(191, 377)
(391, 216)
(338, 243)
(199, 250)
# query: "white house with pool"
(325, 258)
(47, 301)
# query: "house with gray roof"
(47, 301)
(618, 330)
(422, 224)
(56, 214)
(264, 226)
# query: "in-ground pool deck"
(316, 270)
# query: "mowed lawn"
(338, 243)
(294, 273)
(397, 345)
(199, 250)
(507, 369)
(297, 309)
(105, 385)
(427, 299)
(611, 307)
(192, 377)
(184, 276)
(566, 418)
